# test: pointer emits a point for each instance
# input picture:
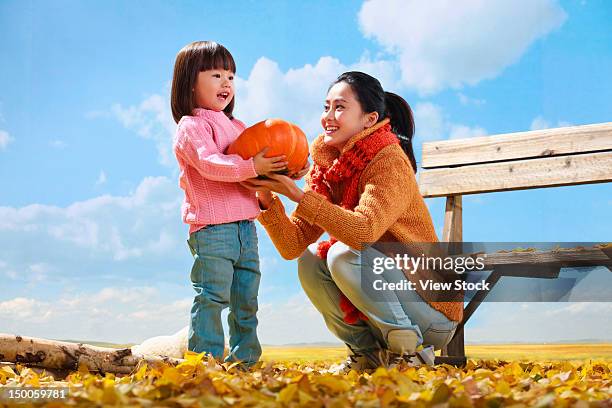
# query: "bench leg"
(453, 220)
(454, 352)
(456, 347)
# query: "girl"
(219, 211)
(361, 189)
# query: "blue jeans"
(323, 281)
(225, 273)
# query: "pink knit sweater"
(207, 175)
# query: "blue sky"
(91, 241)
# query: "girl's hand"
(267, 165)
(279, 184)
(302, 172)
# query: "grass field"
(523, 352)
(531, 352)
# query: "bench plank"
(517, 175)
(565, 257)
(521, 145)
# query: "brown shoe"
(367, 360)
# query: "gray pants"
(323, 281)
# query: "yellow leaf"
(31, 378)
(94, 394)
(7, 372)
(304, 384)
(287, 394)
(141, 372)
(194, 358)
(335, 384)
(171, 376)
(305, 398)
(339, 402)
(110, 395)
(380, 372)
(210, 401)
(516, 370)
(405, 387)
(441, 395)
(386, 396)
(503, 387)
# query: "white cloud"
(431, 124)
(440, 44)
(101, 178)
(293, 321)
(295, 95)
(268, 262)
(429, 121)
(466, 100)
(298, 94)
(38, 272)
(124, 295)
(145, 223)
(5, 139)
(463, 131)
(151, 119)
(540, 322)
(20, 308)
(539, 123)
(58, 144)
(112, 314)
(133, 314)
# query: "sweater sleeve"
(195, 145)
(290, 235)
(388, 184)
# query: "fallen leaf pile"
(201, 382)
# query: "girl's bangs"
(218, 59)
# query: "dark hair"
(191, 60)
(372, 98)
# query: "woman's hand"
(264, 195)
(302, 172)
(267, 165)
(279, 184)
(265, 199)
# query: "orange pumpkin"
(280, 136)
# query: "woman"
(361, 189)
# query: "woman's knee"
(343, 264)
(439, 334)
(308, 267)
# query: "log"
(61, 355)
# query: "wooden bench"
(516, 161)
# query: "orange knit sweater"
(390, 205)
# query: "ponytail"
(402, 123)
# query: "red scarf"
(347, 169)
